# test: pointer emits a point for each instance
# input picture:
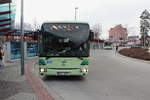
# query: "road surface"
(111, 77)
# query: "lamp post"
(76, 12)
(22, 37)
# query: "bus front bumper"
(63, 72)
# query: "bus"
(108, 45)
(64, 49)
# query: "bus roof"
(82, 22)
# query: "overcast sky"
(106, 12)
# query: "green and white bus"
(108, 45)
(64, 49)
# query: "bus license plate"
(62, 73)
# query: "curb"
(50, 89)
(41, 92)
(134, 59)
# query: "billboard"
(5, 1)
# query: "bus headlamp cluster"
(84, 70)
(43, 70)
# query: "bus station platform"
(13, 86)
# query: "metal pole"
(76, 12)
(22, 37)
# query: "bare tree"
(97, 29)
(27, 26)
(36, 25)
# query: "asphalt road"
(111, 77)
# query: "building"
(7, 16)
(118, 33)
(10, 37)
(13, 45)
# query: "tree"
(97, 30)
(145, 27)
(27, 26)
(36, 25)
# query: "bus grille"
(64, 68)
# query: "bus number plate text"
(62, 73)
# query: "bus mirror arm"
(91, 35)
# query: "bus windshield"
(74, 32)
(107, 44)
(65, 40)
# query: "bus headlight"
(84, 70)
(43, 70)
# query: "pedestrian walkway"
(39, 88)
(13, 86)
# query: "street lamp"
(76, 12)
(22, 37)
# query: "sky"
(107, 13)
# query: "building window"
(15, 50)
(32, 49)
